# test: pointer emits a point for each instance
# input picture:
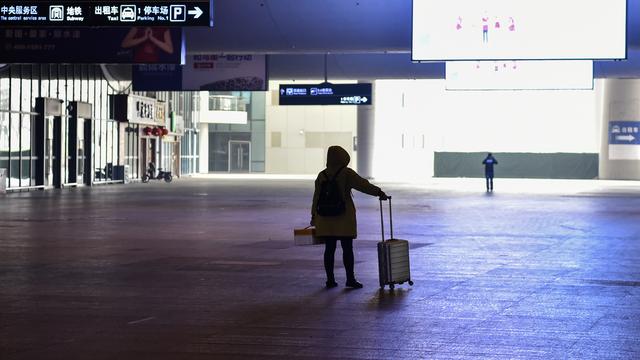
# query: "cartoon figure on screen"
(459, 23)
(512, 26)
(485, 29)
(147, 43)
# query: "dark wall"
(518, 165)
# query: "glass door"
(175, 159)
(48, 151)
(144, 162)
(82, 156)
(239, 156)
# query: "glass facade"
(189, 147)
(189, 158)
(15, 126)
(167, 163)
(220, 144)
(238, 147)
(102, 143)
(20, 86)
(132, 150)
(105, 149)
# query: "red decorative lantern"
(156, 132)
(165, 131)
(147, 130)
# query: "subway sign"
(326, 94)
(105, 13)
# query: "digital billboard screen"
(518, 30)
(326, 94)
(519, 75)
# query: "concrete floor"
(207, 269)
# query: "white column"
(122, 143)
(365, 131)
(620, 103)
(203, 144)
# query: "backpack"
(331, 199)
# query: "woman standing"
(339, 224)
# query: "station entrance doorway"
(78, 145)
(149, 150)
(48, 142)
(239, 156)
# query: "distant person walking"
(489, 162)
(333, 212)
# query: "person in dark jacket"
(341, 227)
(489, 162)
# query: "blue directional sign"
(326, 94)
(624, 132)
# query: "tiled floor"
(207, 269)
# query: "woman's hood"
(337, 157)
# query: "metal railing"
(226, 103)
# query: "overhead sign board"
(326, 94)
(624, 140)
(212, 72)
(105, 13)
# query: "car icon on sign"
(128, 13)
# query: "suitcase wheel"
(410, 283)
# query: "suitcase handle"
(390, 218)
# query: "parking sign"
(178, 13)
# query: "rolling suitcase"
(393, 257)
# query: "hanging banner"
(137, 45)
(209, 72)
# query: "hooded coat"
(343, 225)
